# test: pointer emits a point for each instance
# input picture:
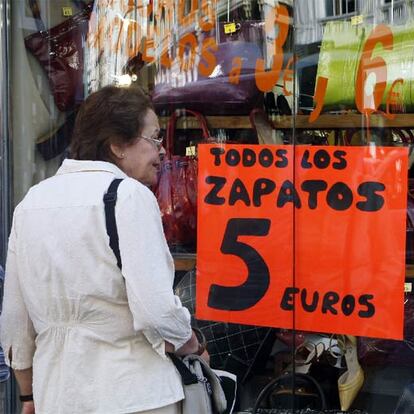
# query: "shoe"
(270, 103)
(283, 105)
(306, 354)
(350, 382)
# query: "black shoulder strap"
(110, 202)
(187, 376)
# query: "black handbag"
(294, 393)
(291, 391)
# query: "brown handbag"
(59, 51)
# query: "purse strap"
(187, 376)
(109, 199)
(34, 7)
(172, 125)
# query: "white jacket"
(95, 337)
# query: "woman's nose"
(162, 151)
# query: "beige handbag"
(203, 393)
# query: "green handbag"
(340, 56)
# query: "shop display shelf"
(409, 271)
(324, 121)
(184, 261)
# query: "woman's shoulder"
(134, 190)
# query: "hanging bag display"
(176, 190)
(59, 51)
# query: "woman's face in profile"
(141, 159)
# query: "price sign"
(311, 237)
(230, 28)
(67, 11)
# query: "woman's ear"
(117, 151)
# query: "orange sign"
(306, 237)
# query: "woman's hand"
(206, 356)
(28, 407)
(195, 345)
(190, 347)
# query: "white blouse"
(95, 337)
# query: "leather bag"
(218, 93)
(59, 51)
(291, 390)
(176, 190)
(214, 94)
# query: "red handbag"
(59, 51)
(176, 190)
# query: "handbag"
(59, 51)
(176, 190)
(215, 93)
(202, 387)
(303, 411)
(203, 392)
(340, 56)
(292, 390)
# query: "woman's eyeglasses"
(156, 141)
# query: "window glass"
(298, 115)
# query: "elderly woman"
(90, 339)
